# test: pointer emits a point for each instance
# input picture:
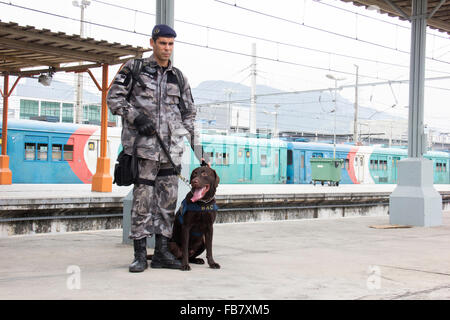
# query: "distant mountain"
(308, 111)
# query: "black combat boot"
(162, 257)
(139, 263)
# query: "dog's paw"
(197, 261)
(185, 267)
(214, 265)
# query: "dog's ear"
(192, 175)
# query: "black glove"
(144, 125)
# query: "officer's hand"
(204, 163)
(144, 125)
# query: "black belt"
(161, 173)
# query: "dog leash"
(175, 168)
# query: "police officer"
(150, 104)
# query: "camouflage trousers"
(153, 208)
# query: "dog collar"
(192, 206)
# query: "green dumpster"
(326, 170)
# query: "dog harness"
(197, 208)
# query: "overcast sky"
(298, 43)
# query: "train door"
(395, 161)
(245, 164)
(359, 168)
(302, 167)
(277, 165)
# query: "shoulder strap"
(137, 67)
(180, 80)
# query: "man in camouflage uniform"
(151, 105)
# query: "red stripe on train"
(351, 164)
(79, 165)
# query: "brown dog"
(193, 226)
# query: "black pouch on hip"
(126, 169)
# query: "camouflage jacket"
(159, 100)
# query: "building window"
(67, 112)
(91, 114)
(50, 109)
(29, 108)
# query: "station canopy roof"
(27, 51)
(438, 11)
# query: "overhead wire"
(319, 29)
(198, 45)
(273, 41)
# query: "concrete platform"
(340, 258)
(52, 208)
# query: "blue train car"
(362, 164)
(45, 152)
(299, 155)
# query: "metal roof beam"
(397, 9)
(436, 9)
(70, 53)
(65, 40)
(32, 62)
(76, 68)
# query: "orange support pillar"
(102, 179)
(5, 172)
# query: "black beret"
(163, 30)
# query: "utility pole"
(330, 76)
(276, 120)
(253, 92)
(355, 121)
(229, 92)
(79, 104)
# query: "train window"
(210, 155)
(42, 151)
(56, 152)
(346, 163)
(317, 155)
(302, 161)
(289, 157)
(444, 167)
(263, 160)
(68, 152)
(372, 164)
(361, 161)
(30, 151)
(383, 165)
(240, 152)
(222, 158)
(91, 145)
